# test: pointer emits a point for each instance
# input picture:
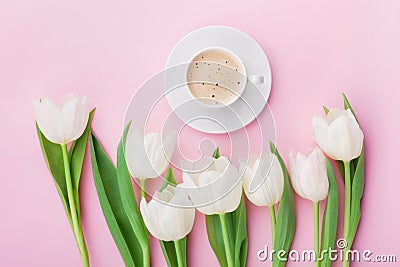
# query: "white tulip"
(339, 134)
(215, 190)
(262, 179)
(168, 216)
(308, 175)
(148, 156)
(65, 123)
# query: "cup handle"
(256, 79)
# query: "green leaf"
(76, 157)
(286, 220)
(357, 191)
(168, 180)
(168, 249)
(129, 200)
(241, 240)
(54, 160)
(106, 182)
(237, 229)
(216, 153)
(236, 221)
(347, 105)
(329, 223)
(326, 110)
(214, 232)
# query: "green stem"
(75, 221)
(142, 188)
(227, 243)
(316, 233)
(347, 211)
(177, 244)
(347, 200)
(346, 260)
(145, 248)
(146, 256)
(273, 222)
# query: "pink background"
(106, 49)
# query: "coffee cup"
(217, 77)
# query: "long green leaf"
(236, 221)
(286, 221)
(214, 232)
(106, 182)
(76, 157)
(168, 247)
(357, 192)
(54, 160)
(329, 223)
(241, 241)
(129, 200)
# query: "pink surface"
(104, 49)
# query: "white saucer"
(242, 111)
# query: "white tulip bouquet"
(170, 214)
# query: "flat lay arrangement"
(209, 133)
(213, 185)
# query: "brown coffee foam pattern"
(215, 77)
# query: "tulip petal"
(308, 173)
(335, 113)
(272, 181)
(69, 119)
(82, 117)
(149, 218)
(321, 135)
(136, 156)
(339, 134)
(165, 217)
(48, 118)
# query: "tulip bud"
(148, 156)
(168, 215)
(308, 175)
(262, 179)
(339, 134)
(215, 190)
(65, 123)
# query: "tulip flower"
(263, 183)
(61, 124)
(65, 123)
(339, 134)
(262, 179)
(308, 174)
(215, 190)
(148, 156)
(310, 181)
(168, 216)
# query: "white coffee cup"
(216, 77)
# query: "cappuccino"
(216, 77)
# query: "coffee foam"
(215, 77)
